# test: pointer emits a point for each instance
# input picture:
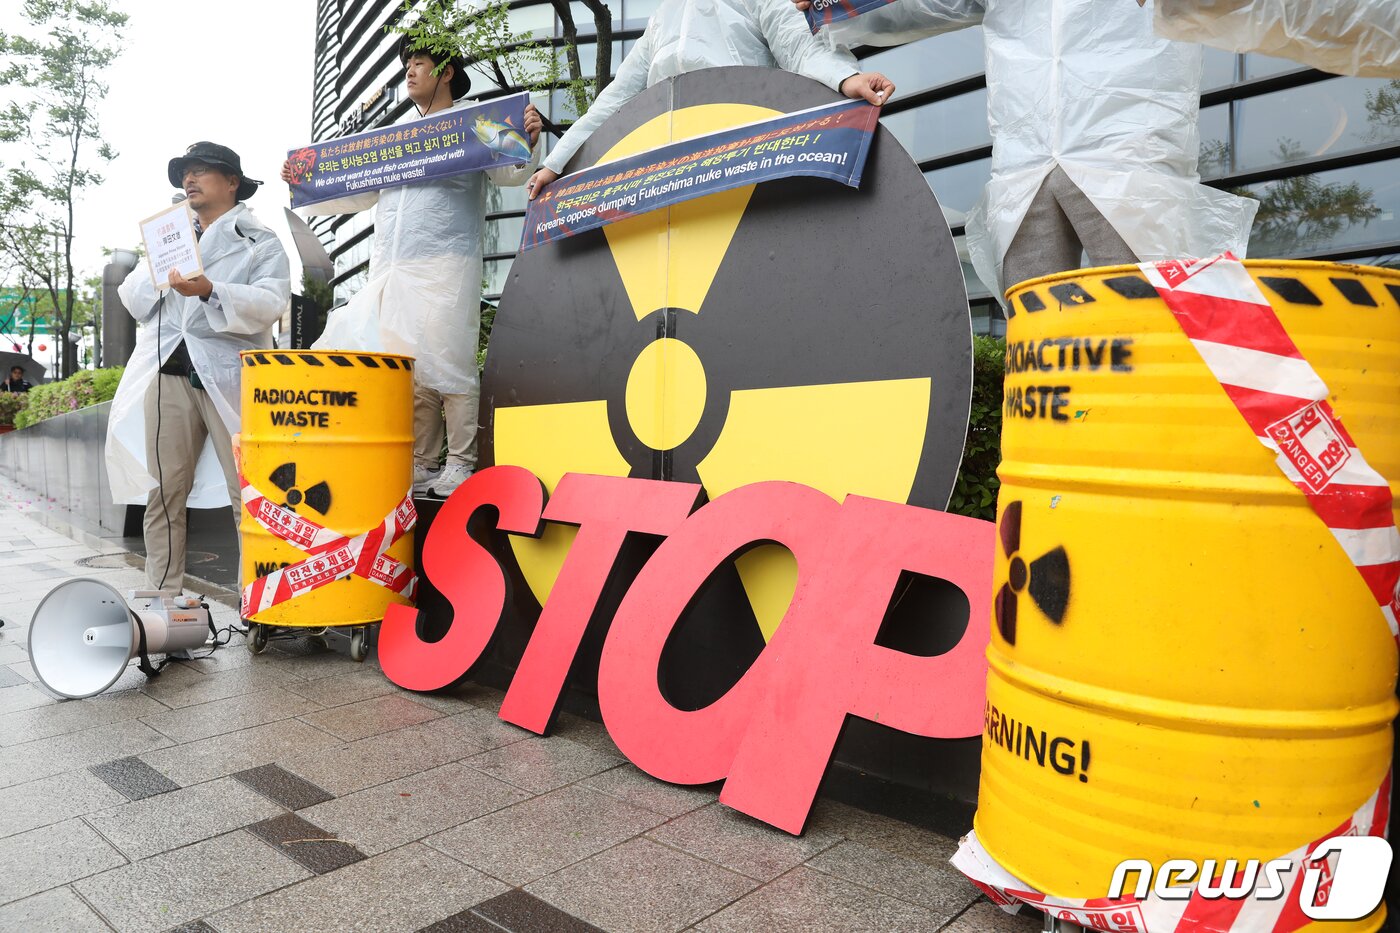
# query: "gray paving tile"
(807, 901)
(46, 757)
(531, 839)
(133, 778)
(310, 845)
(940, 888)
(51, 857)
(323, 662)
(460, 699)
(194, 926)
(541, 764)
(882, 832)
(12, 654)
(630, 783)
(179, 685)
(53, 800)
(521, 912)
(70, 716)
(56, 911)
(345, 768)
(400, 811)
(20, 694)
(642, 887)
(230, 715)
(370, 717)
(405, 889)
(340, 689)
(729, 838)
(231, 659)
(206, 759)
(283, 787)
(479, 727)
(10, 677)
(586, 732)
(463, 922)
(986, 917)
(157, 824)
(175, 887)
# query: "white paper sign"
(171, 244)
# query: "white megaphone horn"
(84, 633)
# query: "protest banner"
(830, 141)
(171, 244)
(440, 145)
(825, 12)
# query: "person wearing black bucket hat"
(423, 296)
(169, 439)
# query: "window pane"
(635, 12)
(959, 186)
(511, 198)
(495, 274)
(537, 20)
(930, 62)
(1215, 141)
(502, 236)
(942, 127)
(1259, 66)
(1328, 211)
(1328, 117)
(1219, 68)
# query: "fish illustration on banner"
(440, 145)
(825, 12)
(502, 138)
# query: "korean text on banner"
(831, 141)
(171, 244)
(825, 12)
(451, 142)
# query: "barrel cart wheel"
(359, 643)
(257, 637)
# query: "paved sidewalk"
(300, 791)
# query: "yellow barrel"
(330, 436)
(1195, 668)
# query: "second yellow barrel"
(1185, 663)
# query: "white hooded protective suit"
(687, 35)
(423, 297)
(1084, 85)
(1345, 37)
(249, 270)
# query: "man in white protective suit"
(688, 35)
(423, 296)
(1094, 136)
(176, 408)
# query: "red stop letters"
(771, 736)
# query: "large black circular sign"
(797, 330)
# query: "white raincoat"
(687, 35)
(1345, 37)
(1085, 85)
(423, 297)
(249, 270)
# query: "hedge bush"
(11, 404)
(975, 494)
(89, 387)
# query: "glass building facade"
(1321, 153)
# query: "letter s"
(1357, 883)
(467, 576)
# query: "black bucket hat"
(461, 83)
(221, 157)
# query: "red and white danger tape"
(332, 555)
(1239, 336)
(1284, 401)
(1153, 914)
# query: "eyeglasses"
(198, 171)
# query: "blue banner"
(831, 141)
(825, 12)
(446, 143)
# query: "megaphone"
(84, 633)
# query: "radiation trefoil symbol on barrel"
(1046, 578)
(317, 497)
